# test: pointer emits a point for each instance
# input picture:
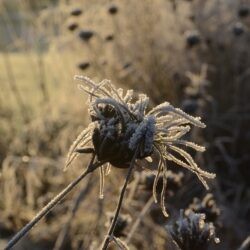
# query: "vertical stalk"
(14, 89)
(109, 236)
(42, 80)
(78, 200)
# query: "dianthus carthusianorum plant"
(123, 131)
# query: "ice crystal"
(121, 125)
(191, 231)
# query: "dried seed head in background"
(206, 206)
(121, 125)
(191, 231)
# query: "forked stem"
(91, 167)
(109, 236)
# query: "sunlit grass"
(56, 74)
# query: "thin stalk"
(109, 236)
(79, 199)
(139, 218)
(42, 79)
(91, 167)
(14, 88)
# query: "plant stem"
(91, 167)
(139, 218)
(119, 205)
(42, 79)
(80, 197)
(14, 88)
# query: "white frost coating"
(162, 130)
(145, 131)
(150, 133)
(165, 107)
(194, 226)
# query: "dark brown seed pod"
(76, 12)
(114, 146)
(112, 9)
(72, 26)
(114, 150)
(83, 65)
(86, 35)
(109, 38)
(243, 11)
(192, 38)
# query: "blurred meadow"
(193, 53)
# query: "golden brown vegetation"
(194, 54)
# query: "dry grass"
(41, 110)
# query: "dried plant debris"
(120, 125)
(191, 232)
(206, 206)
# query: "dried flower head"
(206, 206)
(122, 127)
(109, 37)
(243, 11)
(83, 65)
(191, 231)
(192, 38)
(76, 12)
(112, 9)
(72, 26)
(86, 35)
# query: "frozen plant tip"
(191, 231)
(121, 125)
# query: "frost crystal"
(144, 131)
(191, 231)
(121, 126)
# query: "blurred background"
(192, 53)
